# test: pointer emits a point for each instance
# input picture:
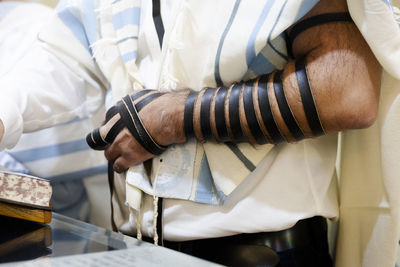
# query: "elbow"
(355, 107)
(360, 109)
(363, 117)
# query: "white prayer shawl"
(230, 53)
(241, 46)
(369, 229)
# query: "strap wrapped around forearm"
(250, 112)
(308, 99)
(219, 114)
(188, 114)
(284, 108)
(205, 112)
(257, 117)
(234, 115)
(266, 112)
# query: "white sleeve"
(43, 89)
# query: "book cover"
(25, 197)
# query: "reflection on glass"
(23, 240)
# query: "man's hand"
(162, 118)
(343, 74)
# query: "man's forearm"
(344, 80)
(344, 77)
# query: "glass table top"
(69, 242)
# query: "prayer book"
(25, 197)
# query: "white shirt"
(30, 87)
(294, 181)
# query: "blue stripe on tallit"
(250, 49)
(64, 12)
(129, 56)
(261, 65)
(130, 16)
(217, 74)
(89, 21)
(50, 151)
(272, 30)
(220, 194)
(76, 175)
(388, 2)
(204, 189)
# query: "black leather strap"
(118, 126)
(266, 112)
(94, 139)
(97, 138)
(128, 120)
(219, 112)
(158, 23)
(250, 113)
(114, 131)
(142, 103)
(234, 119)
(307, 98)
(111, 112)
(188, 114)
(110, 174)
(285, 109)
(159, 226)
(315, 21)
(205, 124)
(90, 141)
(132, 121)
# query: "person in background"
(60, 153)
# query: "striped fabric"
(116, 44)
(45, 153)
(111, 32)
(211, 178)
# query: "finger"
(112, 152)
(120, 165)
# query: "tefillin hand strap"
(130, 119)
(257, 117)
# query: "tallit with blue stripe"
(112, 39)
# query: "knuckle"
(107, 154)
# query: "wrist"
(164, 118)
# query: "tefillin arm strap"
(312, 22)
(225, 102)
(129, 118)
